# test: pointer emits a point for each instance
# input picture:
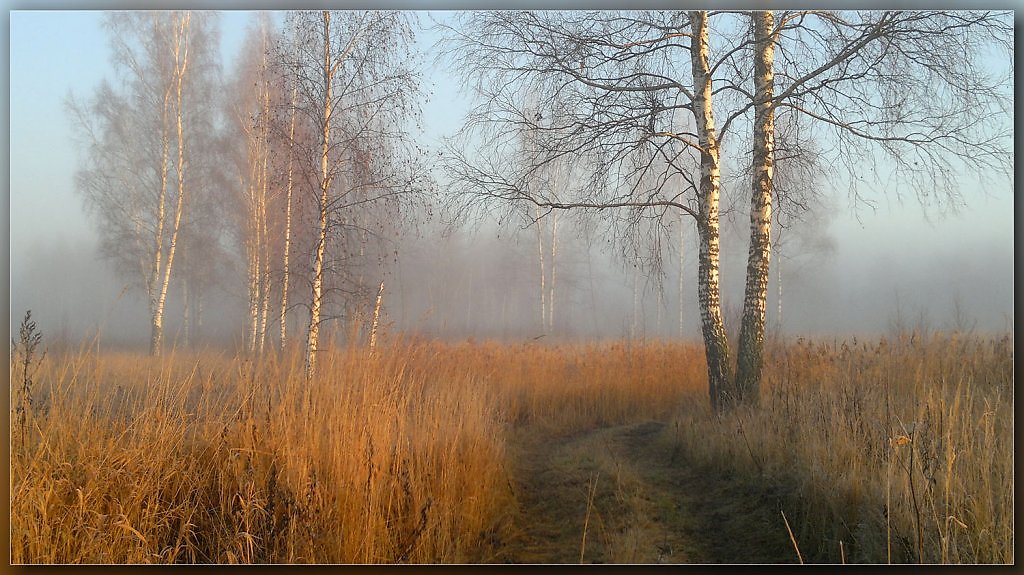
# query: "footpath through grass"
(626, 494)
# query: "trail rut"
(648, 504)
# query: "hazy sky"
(893, 253)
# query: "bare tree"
(203, 254)
(286, 250)
(547, 182)
(355, 85)
(640, 124)
(751, 345)
(253, 121)
(266, 134)
(136, 176)
(910, 85)
(645, 127)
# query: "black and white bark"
(643, 128)
(633, 96)
(716, 342)
(750, 355)
(905, 99)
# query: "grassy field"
(425, 452)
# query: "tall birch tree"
(253, 120)
(751, 344)
(636, 91)
(716, 343)
(135, 176)
(865, 82)
(357, 89)
(906, 98)
(287, 248)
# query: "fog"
(857, 270)
(484, 283)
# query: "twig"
(760, 469)
(791, 537)
(586, 520)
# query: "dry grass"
(399, 457)
(407, 456)
(573, 388)
(901, 448)
(203, 458)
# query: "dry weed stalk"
(23, 351)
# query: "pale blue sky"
(54, 53)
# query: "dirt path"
(625, 495)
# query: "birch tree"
(751, 344)
(864, 82)
(203, 252)
(286, 250)
(253, 119)
(905, 97)
(266, 133)
(135, 175)
(546, 183)
(639, 119)
(356, 87)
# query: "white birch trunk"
(180, 65)
(252, 247)
(376, 316)
(313, 337)
(153, 285)
(264, 244)
(543, 272)
(551, 265)
(716, 344)
(265, 284)
(287, 224)
(750, 356)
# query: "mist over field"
(455, 287)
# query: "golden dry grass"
(201, 457)
(901, 448)
(204, 458)
(408, 455)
